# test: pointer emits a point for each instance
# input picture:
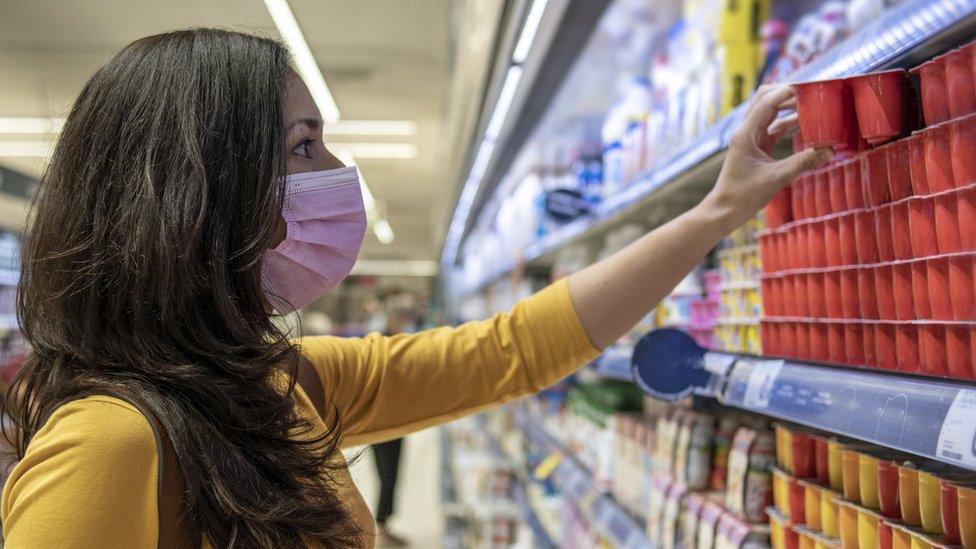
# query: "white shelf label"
(957, 440)
(718, 363)
(759, 388)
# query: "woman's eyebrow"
(312, 123)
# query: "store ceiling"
(382, 59)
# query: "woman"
(190, 193)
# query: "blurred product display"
(857, 273)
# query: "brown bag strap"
(173, 531)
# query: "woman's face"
(304, 143)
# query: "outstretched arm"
(614, 294)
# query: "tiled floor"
(417, 515)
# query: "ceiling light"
(378, 150)
(36, 149)
(305, 62)
(529, 29)
(504, 102)
(371, 127)
(381, 227)
(30, 125)
(399, 267)
(383, 231)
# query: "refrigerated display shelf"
(542, 537)
(931, 418)
(890, 38)
(605, 515)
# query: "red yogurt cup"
(822, 191)
(901, 238)
(838, 197)
(798, 198)
(959, 358)
(906, 346)
(888, 498)
(821, 459)
(810, 195)
(768, 334)
(961, 287)
(866, 238)
(778, 211)
(790, 252)
(884, 290)
(787, 338)
(836, 351)
(899, 170)
(832, 242)
(816, 245)
(947, 224)
(932, 349)
(801, 305)
(874, 174)
(966, 213)
(921, 223)
(940, 297)
(824, 109)
(802, 340)
(938, 159)
(960, 93)
(916, 154)
(884, 345)
(816, 304)
(767, 254)
(866, 295)
(867, 332)
(833, 302)
(950, 512)
(848, 293)
(803, 450)
(935, 104)
(920, 289)
(962, 147)
(819, 350)
(848, 240)
(878, 104)
(854, 343)
(767, 295)
(853, 186)
(882, 225)
(901, 276)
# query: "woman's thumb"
(804, 160)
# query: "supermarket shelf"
(614, 363)
(542, 537)
(929, 418)
(605, 514)
(909, 27)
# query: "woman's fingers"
(766, 109)
(784, 125)
(790, 167)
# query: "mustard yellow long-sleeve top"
(89, 477)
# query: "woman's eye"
(304, 149)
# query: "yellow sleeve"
(89, 479)
(385, 387)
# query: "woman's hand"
(614, 294)
(750, 177)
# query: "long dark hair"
(141, 277)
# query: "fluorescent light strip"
(379, 150)
(504, 102)
(372, 127)
(381, 227)
(30, 125)
(305, 62)
(26, 149)
(529, 29)
(399, 267)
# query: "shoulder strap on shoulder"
(173, 531)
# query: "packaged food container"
(848, 524)
(830, 513)
(811, 505)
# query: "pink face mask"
(326, 222)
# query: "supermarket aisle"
(418, 514)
